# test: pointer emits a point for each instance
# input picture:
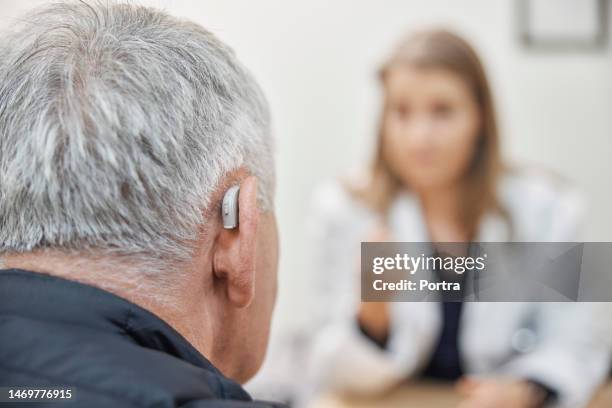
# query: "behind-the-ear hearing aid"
(229, 208)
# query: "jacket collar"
(48, 298)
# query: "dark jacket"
(110, 352)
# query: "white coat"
(564, 345)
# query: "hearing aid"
(229, 208)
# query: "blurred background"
(317, 63)
(550, 69)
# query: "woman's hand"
(499, 393)
(374, 317)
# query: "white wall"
(316, 61)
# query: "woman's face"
(430, 126)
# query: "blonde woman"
(438, 176)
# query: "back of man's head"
(120, 129)
(116, 125)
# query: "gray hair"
(117, 124)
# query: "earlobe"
(235, 252)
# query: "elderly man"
(121, 129)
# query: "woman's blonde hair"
(443, 49)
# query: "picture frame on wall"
(563, 24)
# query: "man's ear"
(235, 249)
